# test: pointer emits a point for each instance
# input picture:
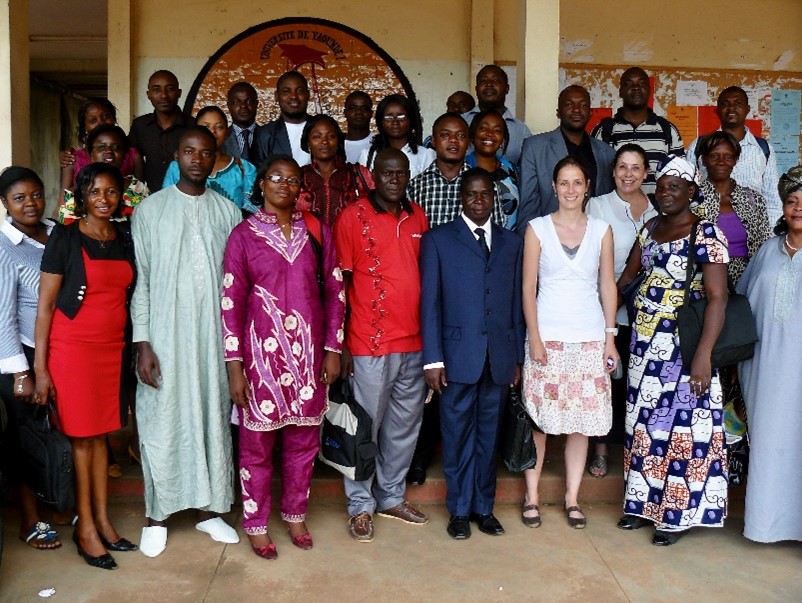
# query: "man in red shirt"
(378, 246)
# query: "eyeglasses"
(399, 117)
(276, 179)
(102, 147)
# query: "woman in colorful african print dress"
(675, 461)
(283, 334)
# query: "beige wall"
(434, 51)
(748, 34)
(433, 44)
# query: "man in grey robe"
(182, 399)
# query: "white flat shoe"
(219, 530)
(153, 541)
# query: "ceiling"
(68, 43)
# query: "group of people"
(258, 264)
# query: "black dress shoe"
(459, 528)
(121, 546)
(488, 524)
(106, 561)
(632, 522)
(416, 475)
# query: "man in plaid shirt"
(436, 189)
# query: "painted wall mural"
(334, 58)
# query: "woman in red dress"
(86, 279)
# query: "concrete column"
(538, 63)
(15, 85)
(482, 26)
(120, 70)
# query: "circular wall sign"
(334, 58)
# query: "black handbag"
(630, 291)
(738, 336)
(346, 438)
(47, 460)
(517, 442)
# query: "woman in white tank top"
(570, 302)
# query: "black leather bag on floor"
(738, 336)
(47, 461)
(346, 441)
(517, 442)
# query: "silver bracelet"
(20, 380)
(612, 330)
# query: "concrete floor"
(411, 563)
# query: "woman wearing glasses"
(107, 143)
(283, 307)
(399, 127)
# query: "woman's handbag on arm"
(738, 336)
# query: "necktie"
(483, 242)
(246, 143)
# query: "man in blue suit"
(541, 153)
(473, 345)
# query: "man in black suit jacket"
(242, 103)
(283, 135)
(473, 345)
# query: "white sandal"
(219, 530)
(153, 541)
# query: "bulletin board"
(688, 97)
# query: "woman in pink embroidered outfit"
(283, 333)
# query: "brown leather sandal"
(575, 522)
(530, 522)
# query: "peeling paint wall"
(705, 34)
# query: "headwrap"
(790, 182)
(674, 165)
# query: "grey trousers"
(390, 389)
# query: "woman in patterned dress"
(283, 333)
(675, 460)
(738, 211)
(569, 302)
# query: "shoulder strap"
(690, 267)
(764, 146)
(666, 127)
(315, 231)
(360, 178)
(607, 128)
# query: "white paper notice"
(692, 94)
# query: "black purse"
(47, 467)
(517, 442)
(630, 291)
(738, 336)
(346, 436)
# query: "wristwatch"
(613, 330)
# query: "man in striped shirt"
(636, 122)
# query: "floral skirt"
(571, 393)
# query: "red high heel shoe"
(268, 552)
(304, 541)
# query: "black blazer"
(270, 139)
(65, 242)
